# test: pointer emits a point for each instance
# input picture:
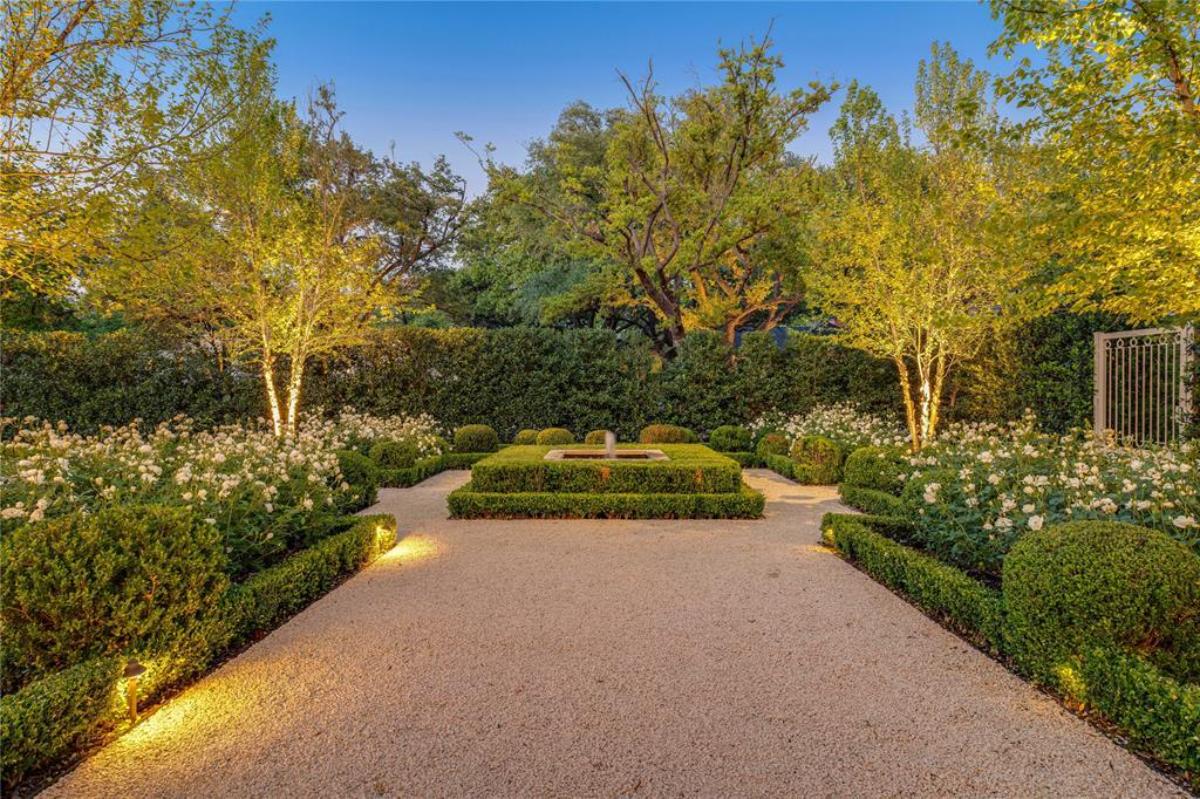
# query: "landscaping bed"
(693, 482)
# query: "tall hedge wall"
(511, 378)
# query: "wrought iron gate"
(1142, 383)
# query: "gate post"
(1099, 386)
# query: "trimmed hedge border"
(968, 605)
(782, 465)
(49, 719)
(428, 467)
(747, 460)
(1159, 714)
(467, 503)
(871, 501)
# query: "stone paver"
(611, 658)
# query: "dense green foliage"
(49, 718)
(666, 434)
(1079, 584)
(818, 461)
(476, 438)
(514, 378)
(772, 444)
(593, 437)
(526, 436)
(730, 438)
(690, 469)
(122, 580)
(363, 476)
(555, 436)
(427, 467)
(870, 500)
(876, 468)
(467, 503)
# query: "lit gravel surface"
(611, 658)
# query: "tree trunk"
(268, 370)
(295, 382)
(910, 406)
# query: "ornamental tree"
(908, 260)
(1117, 89)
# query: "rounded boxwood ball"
(476, 438)
(818, 460)
(667, 434)
(876, 468)
(730, 438)
(1094, 582)
(772, 444)
(555, 436)
(595, 437)
(394, 454)
(526, 437)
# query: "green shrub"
(526, 437)
(818, 461)
(476, 438)
(122, 580)
(876, 468)
(595, 437)
(467, 503)
(730, 438)
(772, 444)
(965, 603)
(363, 476)
(871, 501)
(667, 434)
(53, 716)
(932, 499)
(1087, 583)
(394, 454)
(555, 436)
(781, 465)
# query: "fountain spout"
(610, 444)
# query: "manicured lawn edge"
(51, 719)
(428, 467)
(1160, 715)
(467, 503)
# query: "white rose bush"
(266, 495)
(843, 422)
(980, 487)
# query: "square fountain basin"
(601, 455)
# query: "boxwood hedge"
(469, 503)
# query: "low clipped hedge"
(51, 718)
(469, 503)
(526, 436)
(730, 438)
(781, 465)
(476, 438)
(594, 437)
(667, 434)
(363, 476)
(871, 501)
(394, 454)
(963, 602)
(555, 436)
(428, 467)
(817, 459)
(691, 468)
(1086, 635)
(772, 444)
(876, 468)
(746, 459)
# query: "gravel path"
(611, 659)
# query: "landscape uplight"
(133, 670)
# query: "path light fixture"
(133, 670)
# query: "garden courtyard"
(612, 658)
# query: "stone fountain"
(609, 453)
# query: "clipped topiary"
(818, 460)
(1085, 583)
(772, 444)
(666, 434)
(124, 580)
(476, 438)
(876, 468)
(730, 438)
(361, 473)
(595, 437)
(394, 454)
(555, 436)
(526, 437)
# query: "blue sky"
(411, 74)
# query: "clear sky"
(411, 74)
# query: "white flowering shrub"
(979, 487)
(265, 495)
(843, 422)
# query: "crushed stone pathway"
(611, 658)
